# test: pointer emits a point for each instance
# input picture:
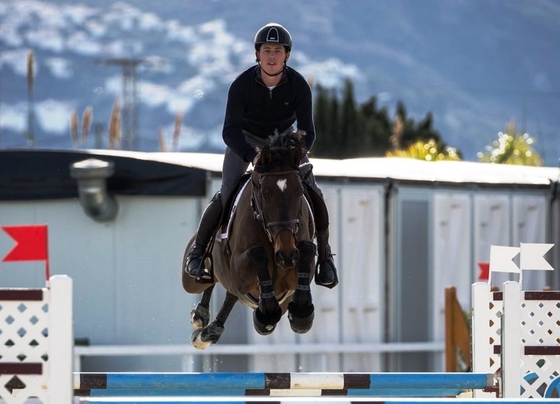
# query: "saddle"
(228, 210)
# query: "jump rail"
(187, 350)
(424, 392)
(279, 384)
(259, 381)
(170, 400)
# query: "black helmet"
(273, 33)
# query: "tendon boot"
(325, 272)
(209, 222)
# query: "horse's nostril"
(279, 258)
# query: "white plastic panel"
(529, 226)
(362, 279)
(452, 242)
(491, 227)
(452, 254)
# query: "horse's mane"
(290, 139)
(280, 150)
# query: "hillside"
(474, 64)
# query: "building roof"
(45, 173)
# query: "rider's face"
(272, 57)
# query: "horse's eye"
(266, 195)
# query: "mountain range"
(474, 64)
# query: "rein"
(258, 213)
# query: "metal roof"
(45, 173)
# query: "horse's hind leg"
(268, 314)
(202, 338)
(200, 315)
(301, 309)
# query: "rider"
(264, 99)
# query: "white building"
(402, 231)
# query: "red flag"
(484, 271)
(31, 244)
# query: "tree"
(376, 125)
(347, 129)
(326, 122)
(350, 128)
(511, 147)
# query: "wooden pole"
(457, 332)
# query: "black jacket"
(252, 107)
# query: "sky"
(476, 65)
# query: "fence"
(36, 339)
(36, 336)
(516, 335)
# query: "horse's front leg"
(200, 315)
(301, 310)
(268, 313)
(203, 337)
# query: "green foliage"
(511, 147)
(429, 151)
(347, 129)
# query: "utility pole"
(129, 115)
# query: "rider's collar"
(259, 74)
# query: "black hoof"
(266, 324)
(301, 318)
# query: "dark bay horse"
(267, 260)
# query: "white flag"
(531, 256)
(501, 259)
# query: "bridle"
(258, 213)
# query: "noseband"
(258, 213)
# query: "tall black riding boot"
(209, 222)
(325, 274)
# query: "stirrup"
(319, 271)
(203, 272)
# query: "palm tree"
(511, 147)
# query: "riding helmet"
(273, 33)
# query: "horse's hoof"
(213, 332)
(301, 319)
(200, 316)
(197, 342)
(265, 327)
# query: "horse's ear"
(297, 155)
(266, 156)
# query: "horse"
(266, 254)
